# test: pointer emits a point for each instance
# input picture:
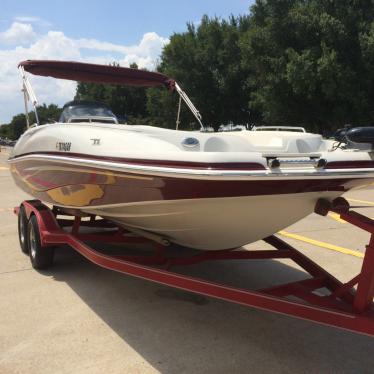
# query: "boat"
(204, 190)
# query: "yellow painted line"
(6, 209)
(336, 217)
(322, 244)
(361, 201)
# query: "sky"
(90, 31)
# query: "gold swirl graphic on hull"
(76, 195)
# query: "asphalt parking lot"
(79, 318)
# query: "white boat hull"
(221, 194)
(215, 223)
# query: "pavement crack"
(318, 230)
(15, 271)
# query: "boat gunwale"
(152, 168)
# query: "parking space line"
(336, 217)
(361, 201)
(318, 243)
(6, 210)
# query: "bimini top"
(93, 73)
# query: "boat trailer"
(345, 305)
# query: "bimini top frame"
(28, 95)
(93, 73)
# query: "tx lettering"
(95, 141)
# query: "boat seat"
(218, 144)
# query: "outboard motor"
(361, 135)
(361, 138)
(357, 137)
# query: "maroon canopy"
(83, 72)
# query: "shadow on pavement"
(176, 331)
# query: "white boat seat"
(230, 144)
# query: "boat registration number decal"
(63, 146)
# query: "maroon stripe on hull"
(158, 163)
(350, 164)
(81, 186)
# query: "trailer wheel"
(22, 230)
(41, 257)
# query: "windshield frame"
(87, 111)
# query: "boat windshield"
(87, 112)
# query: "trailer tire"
(40, 257)
(22, 230)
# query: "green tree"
(311, 61)
(123, 100)
(47, 114)
(205, 60)
(5, 131)
(162, 107)
(18, 125)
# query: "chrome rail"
(314, 160)
(279, 128)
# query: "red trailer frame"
(344, 306)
